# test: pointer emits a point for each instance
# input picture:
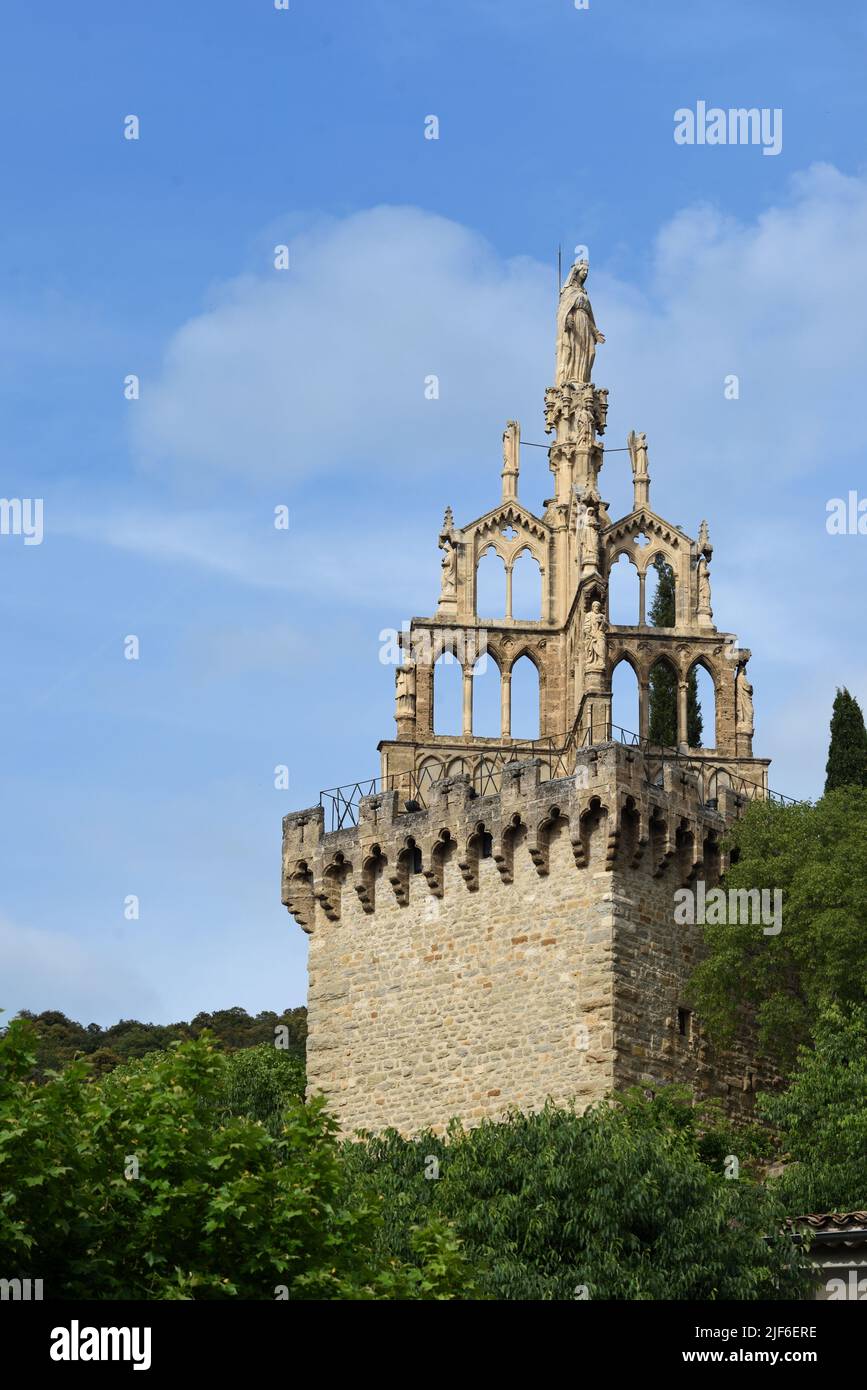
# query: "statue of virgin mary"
(577, 334)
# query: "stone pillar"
(506, 705)
(468, 702)
(643, 708)
(682, 688)
(641, 601)
(424, 699)
(509, 591)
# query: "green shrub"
(141, 1185)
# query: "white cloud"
(326, 561)
(322, 368)
(781, 303)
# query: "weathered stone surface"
(470, 996)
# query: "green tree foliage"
(847, 753)
(261, 1082)
(816, 854)
(217, 1207)
(60, 1040)
(662, 684)
(618, 1202)
(822, 1118)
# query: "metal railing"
(484, 766)
(711, 772)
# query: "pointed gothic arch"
(490, 585)
(487, 696)
(702, 681)
(525, 590)
(525, 707)
(626, 695)
(624, 590)
(447, 695)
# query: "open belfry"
(492, 920)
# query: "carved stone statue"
(511, 459)
(594, 637)
(704, 607)
(511, 442)
(449, 564)
(584, 419)
(449, 567)
(704, 541)
(404, 680)
(637, 445)
(577, 334)
(744, 703)
(588, 533)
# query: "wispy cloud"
(327, 561)
(41, 966)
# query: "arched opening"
(715, 783)
(662, 700)
(660, 593)
(593, 832)
(701, 707)
(623, 593)
(711, 860)
(630, 831)
(527, 588)
(525, 699)
(684, 849)
(624, 697)
(490, 585)
(486, 697)
(447, 695)
(658, 838)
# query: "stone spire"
(575, 410)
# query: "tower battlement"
(490, 951)
(645, 809)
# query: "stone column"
(424, 699)
(643, 708)
(641, 603)
(468, 702)
(506, 705)
(682, 688)
(509, 591)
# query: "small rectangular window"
(684, 1022)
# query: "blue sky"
(303, 388)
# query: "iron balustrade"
(484, 766)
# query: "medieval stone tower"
(491, 920)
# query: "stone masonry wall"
(492, 952)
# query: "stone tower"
(491, 920)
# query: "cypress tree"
(847, 753)
(662, 685)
